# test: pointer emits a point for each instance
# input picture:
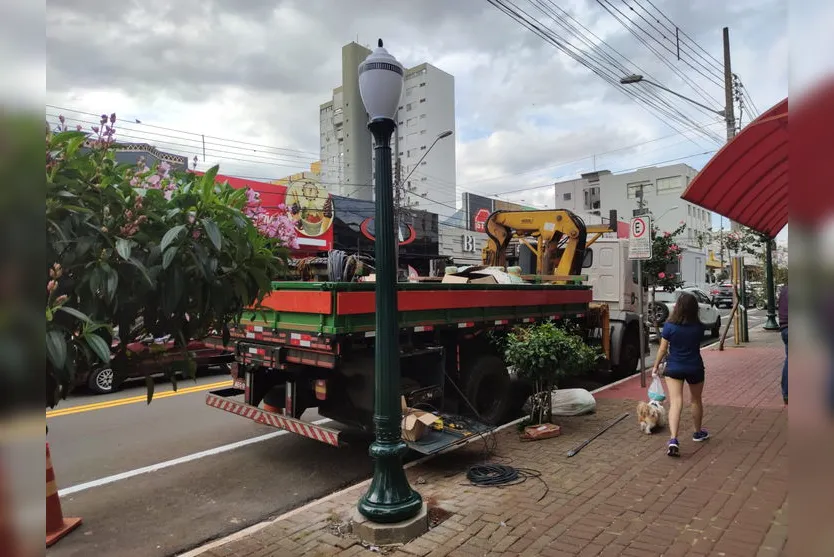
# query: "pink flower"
(62, 299)
(667, 234)
(168, 194)
(674, 247)
(195, 234)
(51, 286)
(661, 275)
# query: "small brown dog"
(650, 415)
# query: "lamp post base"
(771, 324)
(390, 498)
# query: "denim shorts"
(693, 377)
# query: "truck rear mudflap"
(456, 430)
(222, 400)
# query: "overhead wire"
(647, 101)
(631, 29)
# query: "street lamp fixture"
(441, 135)
(389, 498)
(636, 78)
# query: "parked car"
(150, 357)
(722, 295)
(664, 302)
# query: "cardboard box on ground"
(416, 423)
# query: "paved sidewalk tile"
(621, 495)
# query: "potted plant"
(544, 354)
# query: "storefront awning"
(747, 180)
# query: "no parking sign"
(640, 238)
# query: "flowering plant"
(145, 251)
(659, 271)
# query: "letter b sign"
(468, 243)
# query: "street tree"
(134, 252)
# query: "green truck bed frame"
(338, 308)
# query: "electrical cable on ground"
(500, 475)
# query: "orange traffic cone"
(56, 525)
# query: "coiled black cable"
(490, 474)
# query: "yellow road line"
(134, 399)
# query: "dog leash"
(583, 444)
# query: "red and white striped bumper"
(220, 400)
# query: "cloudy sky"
(250, 75)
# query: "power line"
(631, 29)
(612, 76)
(680, 44)
(307, 154)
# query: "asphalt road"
(166, 511)
(156, 480)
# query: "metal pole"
(642, 332)
(389, 497)
(770, 324)
(398, 198)
(729, 115)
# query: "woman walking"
(681, 341)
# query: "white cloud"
(257, 71)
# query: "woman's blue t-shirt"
(684, 347)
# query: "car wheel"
(658, 313)
(716, 329)
(103, 380)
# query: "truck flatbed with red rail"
(312, 346)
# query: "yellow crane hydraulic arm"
(559, 235)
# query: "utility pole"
(729, 114)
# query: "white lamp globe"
(381, 80)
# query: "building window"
(422, 132)
(423, 163)
(669, 184)
(411, 122)
(422, 100)
(423, 84)
(592, 199)
(423, 179)
(422, 116)
(423, 148)
(409, 153)
(635, 189)
(566, 196)
(408, 107)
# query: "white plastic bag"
(656, 391)
(569, 402)
(572, 402)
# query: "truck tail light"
(321, 389)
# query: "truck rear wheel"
(488, 389)
(629, 354)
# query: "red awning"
(747, 180)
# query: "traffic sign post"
(640, 248)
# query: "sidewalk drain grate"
(437, 516)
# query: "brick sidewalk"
(620, 496)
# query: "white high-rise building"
(427, 109)
(661, 188)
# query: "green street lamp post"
(389, 498)
(770, 324)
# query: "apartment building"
(427, 110)
(660, 186)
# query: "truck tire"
(716, 329)
(629, 354)
(488, 390)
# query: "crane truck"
(311, 344)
